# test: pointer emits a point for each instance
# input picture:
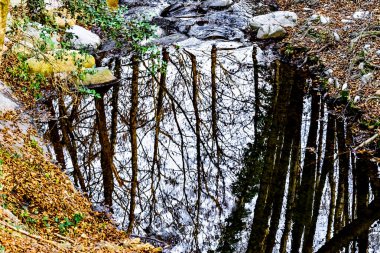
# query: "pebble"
(367, 78)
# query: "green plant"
(45, 221)
(2, 249)
(66, 223)
(86, 91)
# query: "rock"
(215, 32)
(377, 93)
(320, 18)
(53, 4)
(347, 21)
(226, 18)
(271, 32)
(367, 78)
(324, 19)
(37, 35)
(60, 61)
(15, 3)
(217, 4)
(83, 38)
(171, 39)
(336, 36)
(23, 47)
(361, 15)
(378, 52)
(6, 101)
(282, 18)
(182, 10)
(98, 76)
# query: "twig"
(35, 237)
(151, 239)
(368, 141)
(64, 238)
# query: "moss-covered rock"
(60, 61)
(98, 76)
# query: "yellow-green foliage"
(4, 6)
(60, 62)
(113, 4)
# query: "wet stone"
(171, 39)
(182, 10)
(215, 32)
(228, 19)
(217, 4)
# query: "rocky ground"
(344, 36)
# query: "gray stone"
(282, 18)
(82, 38)
(271, 32)
(217, 4)
(7, 102)
(171, 39)
(367, 78)
(215, 32)
(361, 15)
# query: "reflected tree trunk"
(106, 153)
(158, 117)
(269, 178)
(356, 228)
(362, 183)
(133, 134)
(195, 85)
(327, 168)
(304, 206)
(291, 137)
(54, 135)
(69, 140)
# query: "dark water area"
(217, 145)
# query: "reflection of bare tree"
(175, 141)
(171, 139)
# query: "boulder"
(7, 103)
(281, 18)
(60, 61)
(15, 3)
(37, 35)
(23, 47)
(82, 38)
(98, 76)
(215, 32)
(271, 32)
(217, 4)
(171, 39)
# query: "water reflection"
(205, 150)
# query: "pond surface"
(217, 145)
